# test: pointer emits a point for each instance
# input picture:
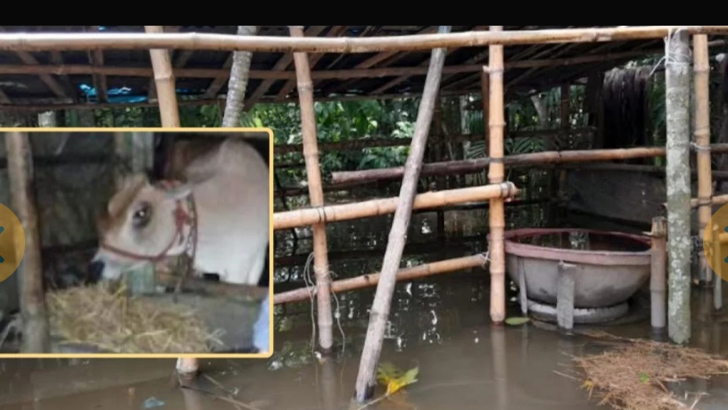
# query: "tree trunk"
(677, 94)
(239, 74)
(366, 381)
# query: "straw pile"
(112, 322)
(637, 375)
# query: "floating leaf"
(408, 378)
(644, 378)
(516, 321)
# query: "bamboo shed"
(501, 65)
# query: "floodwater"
(439, 324)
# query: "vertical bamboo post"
(164, 80)
(36, 337)
(702, 141)
(718, 264)
(485, 93)
(701, 69)
(677, 95)
(378, 317)
(169, 115)
(658, 286)
(315, 192)
(495, 176)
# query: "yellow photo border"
(271, 254)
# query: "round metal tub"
(610, 267)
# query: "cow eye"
(142, 215)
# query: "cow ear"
(179, 192)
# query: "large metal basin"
(610, 267)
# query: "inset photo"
(136, 242)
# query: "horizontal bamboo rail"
(427, 269)
(359, 143)
(538, 158)
(337, 213)
(229, 42)
(81, 69)
(715, 200)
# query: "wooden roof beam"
(219, 82)
(335, 31)
(281, 65)
(394, 56)
(47, 79)
(404, 78)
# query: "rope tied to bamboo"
(694, 145)
(674, 57)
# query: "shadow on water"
(440, 324)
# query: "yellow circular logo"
(12, 242)
(716, 252)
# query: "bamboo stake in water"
(495, 176)
(313, 172)
(658, 273)
(366, 381)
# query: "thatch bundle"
(636, 375)
(113, 322)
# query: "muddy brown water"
(439, 324)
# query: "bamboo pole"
(485, 95)
(313, 172)
(417, 42)
(36, 338)
(164, 80)
(702, 141)
(496, 212)
(372, 279)
(717, 240)
(658, 276)
(366, 381)
(337, 213)
(521, 160)
(677, 95)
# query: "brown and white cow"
(219, 215)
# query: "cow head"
(137, 225)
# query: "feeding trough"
(577, 275)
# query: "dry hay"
(113, 322)
(636, 374)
